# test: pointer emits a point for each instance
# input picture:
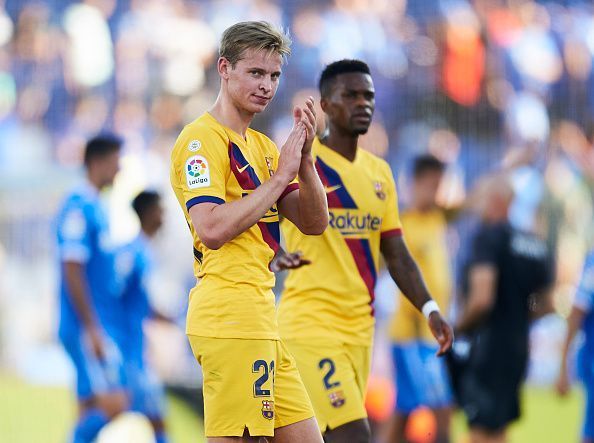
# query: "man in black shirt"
(505, 269)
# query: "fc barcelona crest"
(268, 409)
(379, 190)
(337, 399)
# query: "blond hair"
(253, 35)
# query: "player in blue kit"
(90, 310)
(582, 317)
(134, 265)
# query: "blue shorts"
(146, 392)
(92, 375)
(585, 369)
(421, 377)
(588, 429)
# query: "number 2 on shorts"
(268, 369)
(331, 370)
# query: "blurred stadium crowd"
(483, 85)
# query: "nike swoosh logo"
(330, 189)
(243, 168)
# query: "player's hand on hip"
(288, 260)
(290, 155)
(442, 332)
(95, 336)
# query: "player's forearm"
(409, 280)
(473, 314)
(574, 322)
(227, 221)
(470, 318)
(77, 290)
(313, 205)
(406, 274)
(481, 296)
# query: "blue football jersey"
(584, 300)
(83, 237)
(133, 264)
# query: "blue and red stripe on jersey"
(361, 253)
(359, 247)
(339, 197)
(248, 181)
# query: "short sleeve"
(487, 244)
(584, 296)
(391, 224)
(74, 242)
(200, 165)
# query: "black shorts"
(490, 405)
(487, 385)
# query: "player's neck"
(94, 180)
(148, 230)
(343, 144)
(420, 207)
(226, 113)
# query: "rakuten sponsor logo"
(351, 221)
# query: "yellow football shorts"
(251, 384)
(335, 375)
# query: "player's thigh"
(304, 431)
(331, 377)
(94, 377)
(291, 401)
(490, 399)
(407, 367)
(357, 431)
(146, 392)
(436, 392)
(238, 377)
(245, 439)
(360, 357)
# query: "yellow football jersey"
(333, 297)
(212, 163)
(425, 236)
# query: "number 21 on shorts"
(262, 367)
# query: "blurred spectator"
(505, 269)
(420, 376)
(134, 264)
(91, 315)
(582, 318)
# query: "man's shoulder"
(374, 161)
(491, 239)
(204, 133)
(75, 215)
(78, 199)
(131, 255)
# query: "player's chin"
(256, 108)
(257, 104)
(360, 130)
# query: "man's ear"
(224, 66)
(324, 104)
